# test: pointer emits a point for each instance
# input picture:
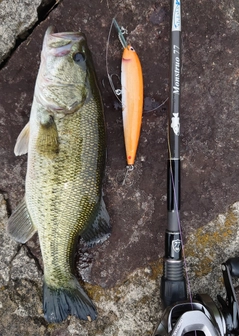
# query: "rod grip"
(173, 284)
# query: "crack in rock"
(8, 248)
(18, 20)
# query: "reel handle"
(230, 307)
(233, 265)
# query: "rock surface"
(16, 19)
(132, 307)
(123, 275)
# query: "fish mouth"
(60, 44)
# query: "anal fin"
(20, 226)
(100, 229)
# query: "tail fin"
(58, 303)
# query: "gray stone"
(123, 275)
(8, 248)
(20, 284)
(16, 18)
(132, 307)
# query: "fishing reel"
(201, 316)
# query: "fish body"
(66, 146)
(132, 101)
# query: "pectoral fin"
(21, 146)
(20, 226)
(47, 140)
(100, 230)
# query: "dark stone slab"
(210, 102)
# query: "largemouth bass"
(66, 146)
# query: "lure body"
(132, 101)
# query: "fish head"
(62, 82)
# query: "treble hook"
(129, 168)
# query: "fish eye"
(131, 48)
(79, 58)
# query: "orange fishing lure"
(132, 101)
(132, 97)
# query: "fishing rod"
(198, 315)
(173, 284)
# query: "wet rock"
(131, 259)
(20, 286)
(210, 246)
(130, 308)
(8, 248)
(17, 18)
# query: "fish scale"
(64, 203)
(65, 142)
